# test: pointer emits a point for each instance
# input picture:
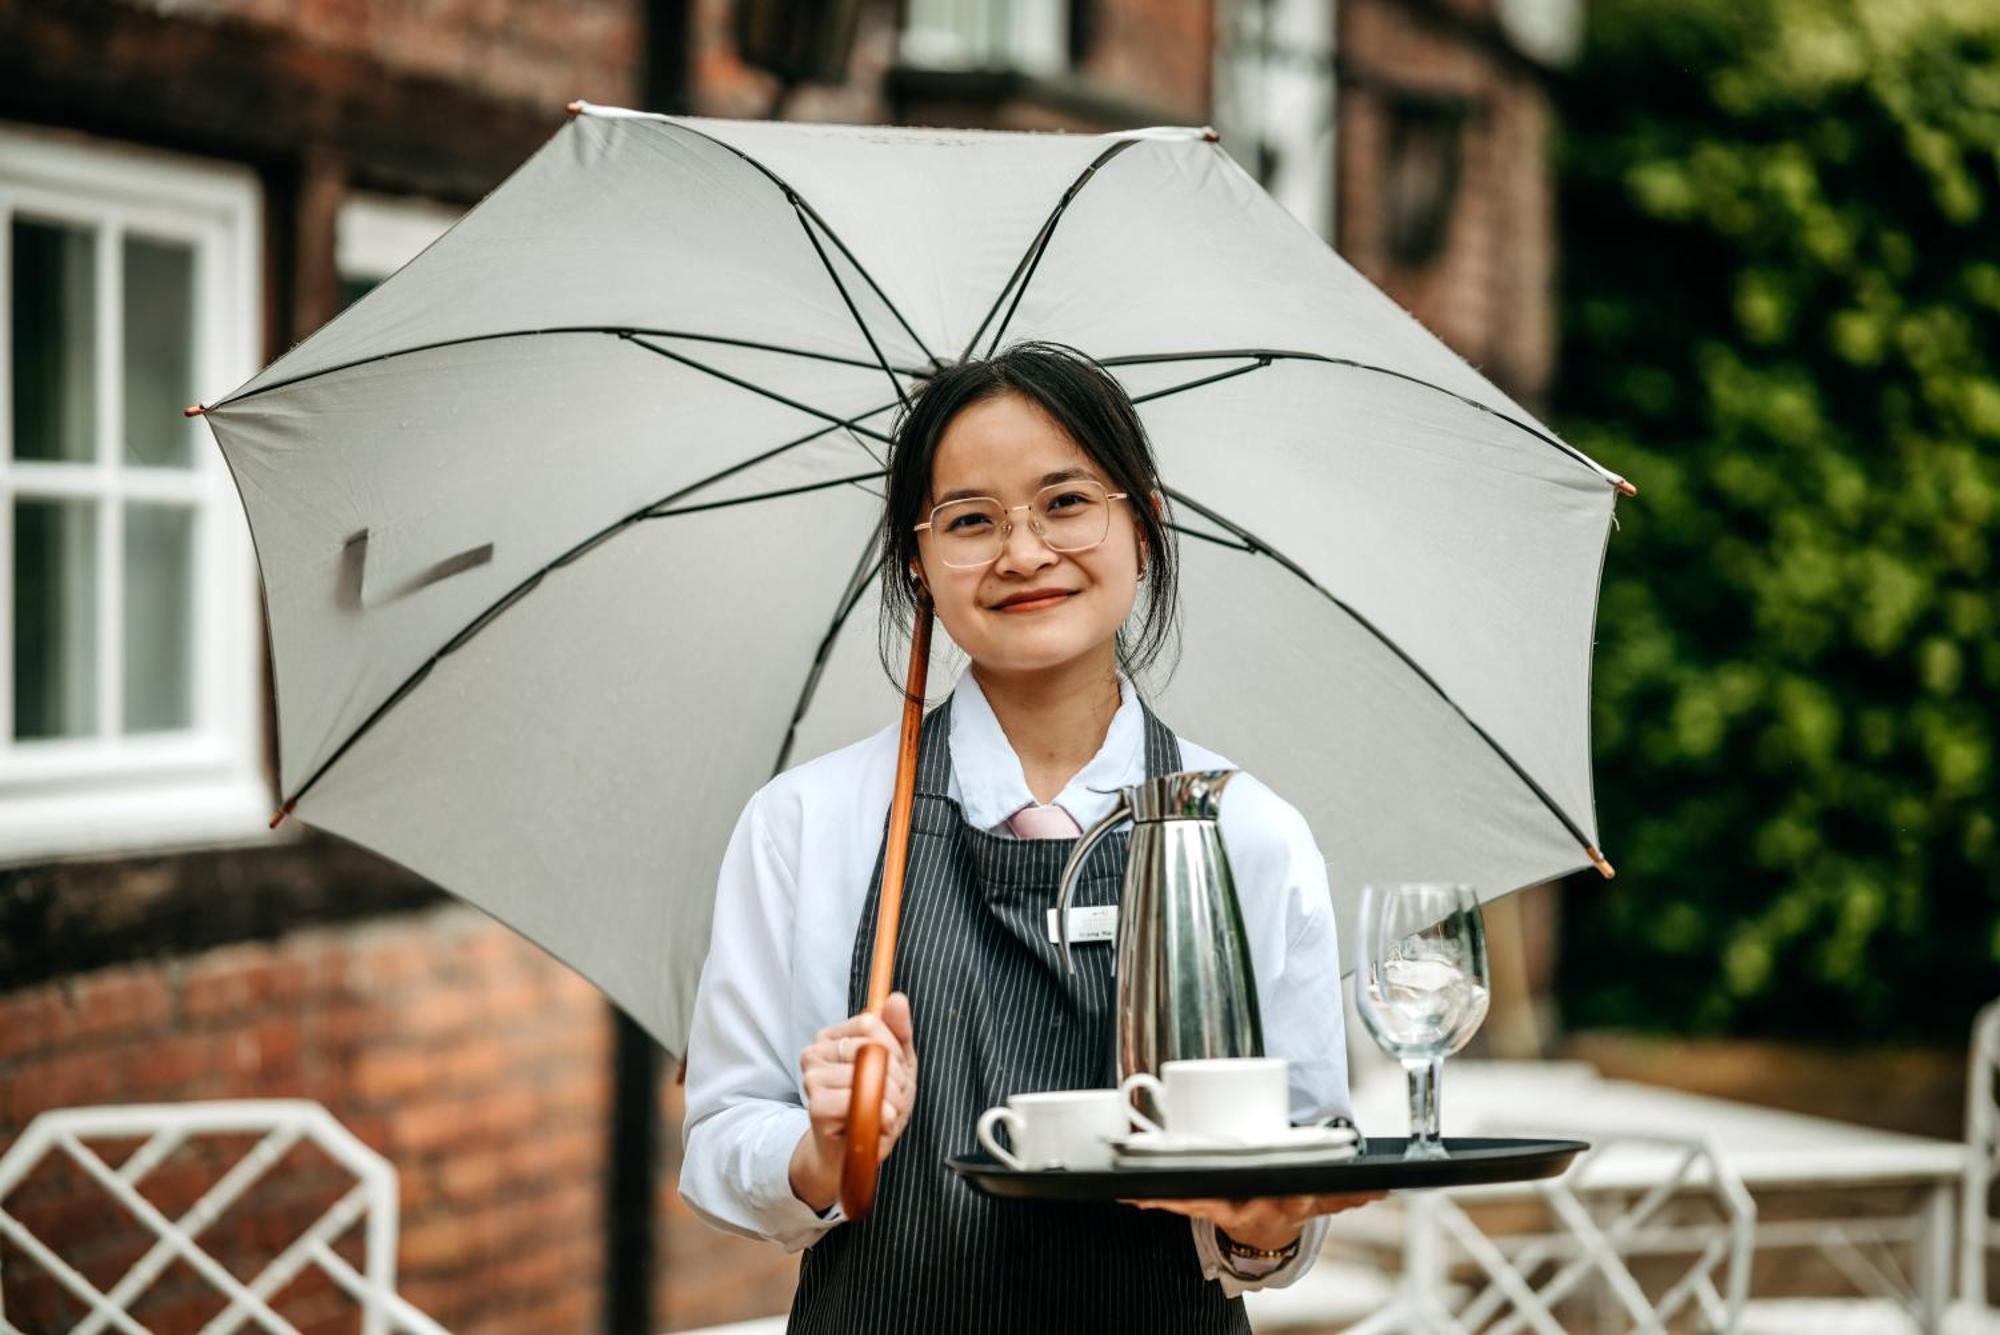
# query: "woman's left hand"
(1269, 1222)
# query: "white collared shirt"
(789, 897)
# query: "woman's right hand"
(826, 1066)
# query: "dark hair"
(1094, 410)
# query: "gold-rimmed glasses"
(1068, 517)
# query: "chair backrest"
(1663, 1198)
(1978, 1231)
(281, 1124)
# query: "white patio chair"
(1672, 1202)
(1978, 1232)
(1336, 1291)
(281, 1123)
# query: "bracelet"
(1247, 1253)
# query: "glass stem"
(1424, 1080)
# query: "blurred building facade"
(187, 189)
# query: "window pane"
(159, 617)
(53, 281)
(354, 289)
(55, 618)
(159, 352)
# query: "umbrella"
(567, 531)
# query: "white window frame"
(1027, 35)
(207, 784)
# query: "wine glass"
(1421, 988)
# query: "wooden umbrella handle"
(871, 1064)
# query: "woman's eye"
(966, 523)
(1068, 500)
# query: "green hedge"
(1781, 254)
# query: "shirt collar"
(987, 776)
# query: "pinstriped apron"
(994, 1014)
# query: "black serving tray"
(1474, 1161)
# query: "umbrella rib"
(766, 391)
(623, 331)
(1258, 546)
(777, 494)
(801, 202)
(1031, 258)
(1260, 363)
(1268, 355)
(857, 584)
(805, 225)
(1239, 546)
(492, 610)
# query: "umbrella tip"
(575, 108)
(1210, 136)
(284, 811)
(193, 410)
(1625, 488)
(1599, 861)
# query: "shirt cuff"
(790, 1221)
(1239, 1275)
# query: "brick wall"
(473, 1061)
(1154, 51)
(1489, 293)
(540, 51)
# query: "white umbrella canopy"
(567, 531)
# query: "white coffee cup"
(1233, 1098)
(1064, 1128)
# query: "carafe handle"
(1089, 840)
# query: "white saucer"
(1315, 1144)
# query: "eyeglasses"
(1067, 516)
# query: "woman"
(1023, 503)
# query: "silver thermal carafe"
(1185, 984)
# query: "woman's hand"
(1269, 1222)
(826, 1066)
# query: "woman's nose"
(1023, 551)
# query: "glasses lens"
(967, 532)
(1072, 515)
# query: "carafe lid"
(1193, 794)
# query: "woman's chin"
(1035, 653)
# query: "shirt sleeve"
(1299, 998)
(745, 1108)
(1303, 1006)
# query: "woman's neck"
(1055, 720)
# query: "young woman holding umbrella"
(1024, 507)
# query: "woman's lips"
(1036, 604)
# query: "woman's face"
(1030, 609)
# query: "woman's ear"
(917, 574)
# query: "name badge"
(1098, 922)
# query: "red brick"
(418, 1128)
(239, 980)
(390, 1073)
(558, 1155)
(443, 1012)
(437, 1241)
(478, 1062)
(120, 1002)
(31, 1021)
(471, 1176)
(174, 1066)
(386, 963)
(66, 1080)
